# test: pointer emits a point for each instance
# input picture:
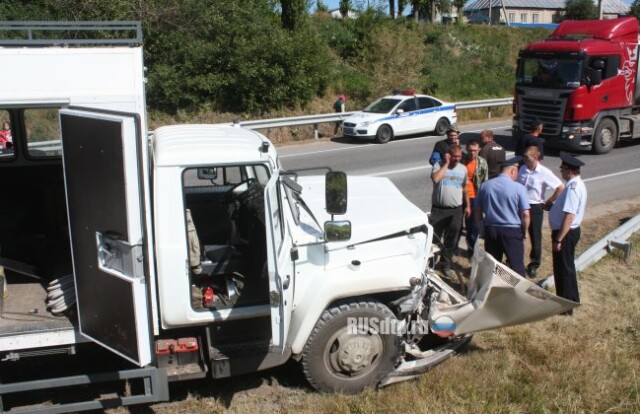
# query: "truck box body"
(40, 81)
(582, 83)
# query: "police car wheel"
(384, 134)
(441, 126)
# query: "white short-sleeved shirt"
(537, 181)
(573, 200)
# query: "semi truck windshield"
(549, 73)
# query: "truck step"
(241, 358)
(143, 385)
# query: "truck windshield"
(549, 73)
(382, 106)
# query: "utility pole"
(490, 15)
(599, 9)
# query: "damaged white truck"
(189, 252)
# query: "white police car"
(401, 114)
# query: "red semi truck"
(582, 83)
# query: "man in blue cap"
(564, 219)
(505, 205)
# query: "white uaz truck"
(189, 253)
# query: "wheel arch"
(303, 322)
(612, 115)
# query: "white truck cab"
(190, 253)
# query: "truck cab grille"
(548, 110)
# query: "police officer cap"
(570, 161)
(517, 160)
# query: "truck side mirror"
(594, 76)
(336, 192)
(337, 230)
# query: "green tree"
(580, 10)
(634, 9)
(321, 7)
(293, 13)
(345, 6)
(459, 5)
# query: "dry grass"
(587, 363)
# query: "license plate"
(349, 131)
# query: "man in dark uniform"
(532, 138)
(491, 151)
(442, 147)
(505, 205)
(564, 219)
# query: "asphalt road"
(405, 162)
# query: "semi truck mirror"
(336, 192)
(337, 230)
(594, 76)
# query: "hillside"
(218, 60)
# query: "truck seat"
(210, 260)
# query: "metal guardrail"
(616, 239)
(334, 117)
(486, 103)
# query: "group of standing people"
(504, 201)
(457, 179)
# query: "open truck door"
(497, 297)
(280, 263)
(101, 159)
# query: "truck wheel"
(341, 356)
(441, 126)
(605, 137)
(384, 134)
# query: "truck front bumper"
(574, 136)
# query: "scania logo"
(540, 94)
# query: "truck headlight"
(571, 130)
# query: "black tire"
(384, 134)
(441, 126)
(336, 360)
(605, 137)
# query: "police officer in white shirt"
(564, 219)
(536, 179)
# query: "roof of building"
(608, 6)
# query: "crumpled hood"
(375, 207)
